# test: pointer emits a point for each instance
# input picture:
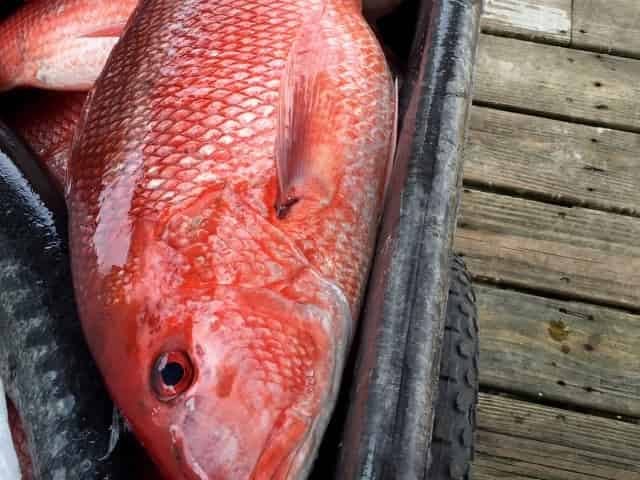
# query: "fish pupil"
(172, 373)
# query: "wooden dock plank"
(554, 81)
(611, 26)
(576, 253)
(543, 20)
(568, 352)
(554, 161)
(522, 440)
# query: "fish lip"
(189, 467)
(304, 456)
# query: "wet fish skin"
(177, 248)
(46, 121)
(45, 365)
(59, 44)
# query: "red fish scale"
(156, 117)
(41, 27)
(173, 230)
(46, 121)
(277, 352)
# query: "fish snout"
(216, 439)
(237, 444)
(203, 453)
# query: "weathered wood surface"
(543, 20)
(521, 440)
(554, 81)
(610, 26)
(554, 161)
(568, 352)
(577, 253)
(607, 25)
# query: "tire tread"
(451, 451)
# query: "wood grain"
(594, 363)
(574, 85)
(575, 253)
(554, 161)
(541, 20)
(611, 26)
(521, 440)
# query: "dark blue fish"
(45, 365)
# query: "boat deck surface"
(549, 227)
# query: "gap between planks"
(609, 26)
(552, 161)
(521, 440)
(589, 88)
(572, 253)
(559, 351)
(548, 21)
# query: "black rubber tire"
(451, 451)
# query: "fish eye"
(172, 375)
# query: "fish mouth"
(277, 459)
(190, 466)
(304, 456)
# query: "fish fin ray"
(394, 140)
(119, 425)
(114, 30)
(303, 167)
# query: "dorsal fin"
(305, 108)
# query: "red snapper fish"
(224, 192)
(60, 44)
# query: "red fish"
(46, 121)
(60, 44)
(224, 192)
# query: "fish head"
(225, 381)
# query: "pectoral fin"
(305, 160)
